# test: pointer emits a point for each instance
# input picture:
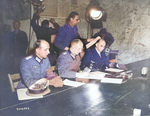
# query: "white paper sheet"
(113, 70)
(94, 75)
(72, 83)
(23, 96)
(111, 80)
(137, 112)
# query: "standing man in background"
(68, 32)
(53, 37)
(56, 25)
(19, 44)
(106, 36)
(45, 32)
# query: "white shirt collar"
(98, 52)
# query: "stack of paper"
(72, 83)
(113, 70)
(111, 80)
(101, 76)
(94, 75)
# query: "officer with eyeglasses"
(68, 32)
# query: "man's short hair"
(100, 40)
(45, 23)
(75, 41)
(103, 30)
(36, 45)
(52, 20)
(71, 15)
(16, 21)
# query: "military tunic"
(65, 35)
(98, 61)
(32, 68)
(68, 64)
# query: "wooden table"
(93, 99)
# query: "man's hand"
(82, 80)
(92, 41)
(97, 38)
(56, 82)
(42, 80)
(36, 16)
(121, 66)
(66, 48)
(116, 65)
(59, 82)
(51, 69)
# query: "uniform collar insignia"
(72, 55)
(38, 59)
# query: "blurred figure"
(56, 25)
(53, 37)
(5, 59)
(106, 36)
(45, 32)
(19, 44)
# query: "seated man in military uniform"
(68, 62)
(96, 59)
(34, 67)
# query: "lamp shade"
(95, 14)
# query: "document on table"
(112, 80)
(113, 70)
(72, 83)
(21, 93)
(94, 75)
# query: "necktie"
(100, 54)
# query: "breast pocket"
(35, 69)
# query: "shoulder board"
(64, 53)
(29, 57)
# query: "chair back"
(14, 80)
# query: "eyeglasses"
(77, 19)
